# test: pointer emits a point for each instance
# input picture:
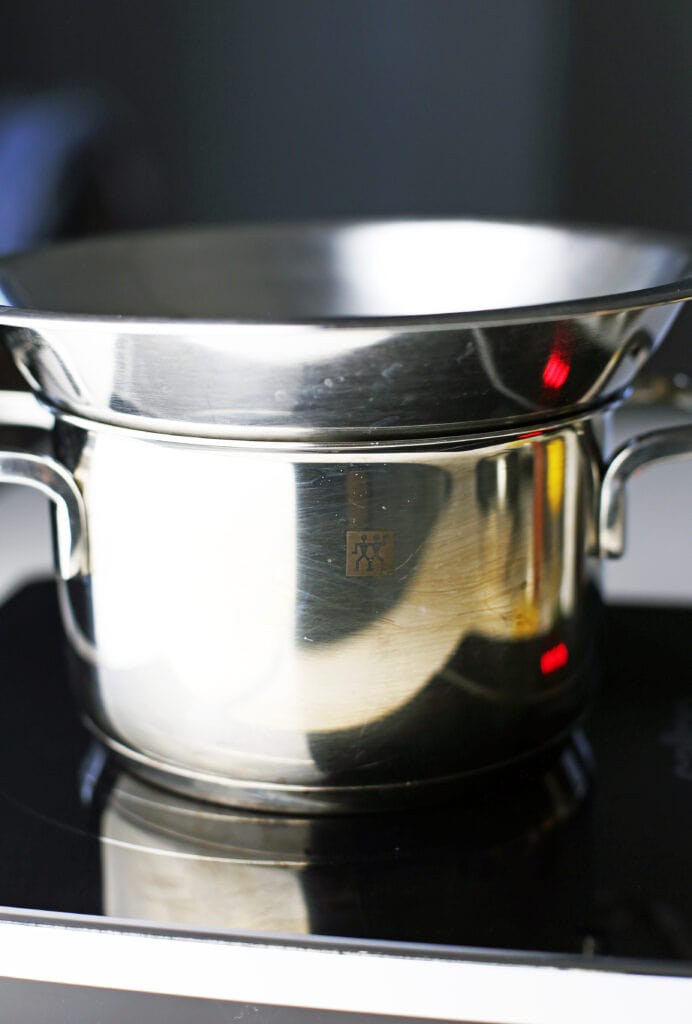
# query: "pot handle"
(671, 443)
(24, 428)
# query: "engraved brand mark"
(369, 552)
(680, 739)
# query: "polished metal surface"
(656, 446)
(26, 460)
(50, 478)
(280, 589)
(315, 628)
(325, 629)
(169, 859)
(362, 330)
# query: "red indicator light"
(554, 658)
(556, 371)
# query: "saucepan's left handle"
(670, 443)
(24, 433)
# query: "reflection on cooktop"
(545, 859)
(402, 876)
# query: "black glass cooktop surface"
(590, 855)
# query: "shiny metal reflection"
(228, 640)
(172, 860)
(370, 329)
(328, 496)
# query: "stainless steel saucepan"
(329, 499)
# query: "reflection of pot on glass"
(168, 859)
(305, 474)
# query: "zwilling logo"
(369, 552)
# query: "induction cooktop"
(580, 867)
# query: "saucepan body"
(336, 629)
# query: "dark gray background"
(245, 109)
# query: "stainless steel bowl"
(330, 498)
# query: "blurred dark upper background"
(117, 115)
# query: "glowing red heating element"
(556, 371)
(554, 658)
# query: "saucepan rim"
(674, 291)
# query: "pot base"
(290, 799)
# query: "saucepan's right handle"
(23, 435)
(644, 450)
